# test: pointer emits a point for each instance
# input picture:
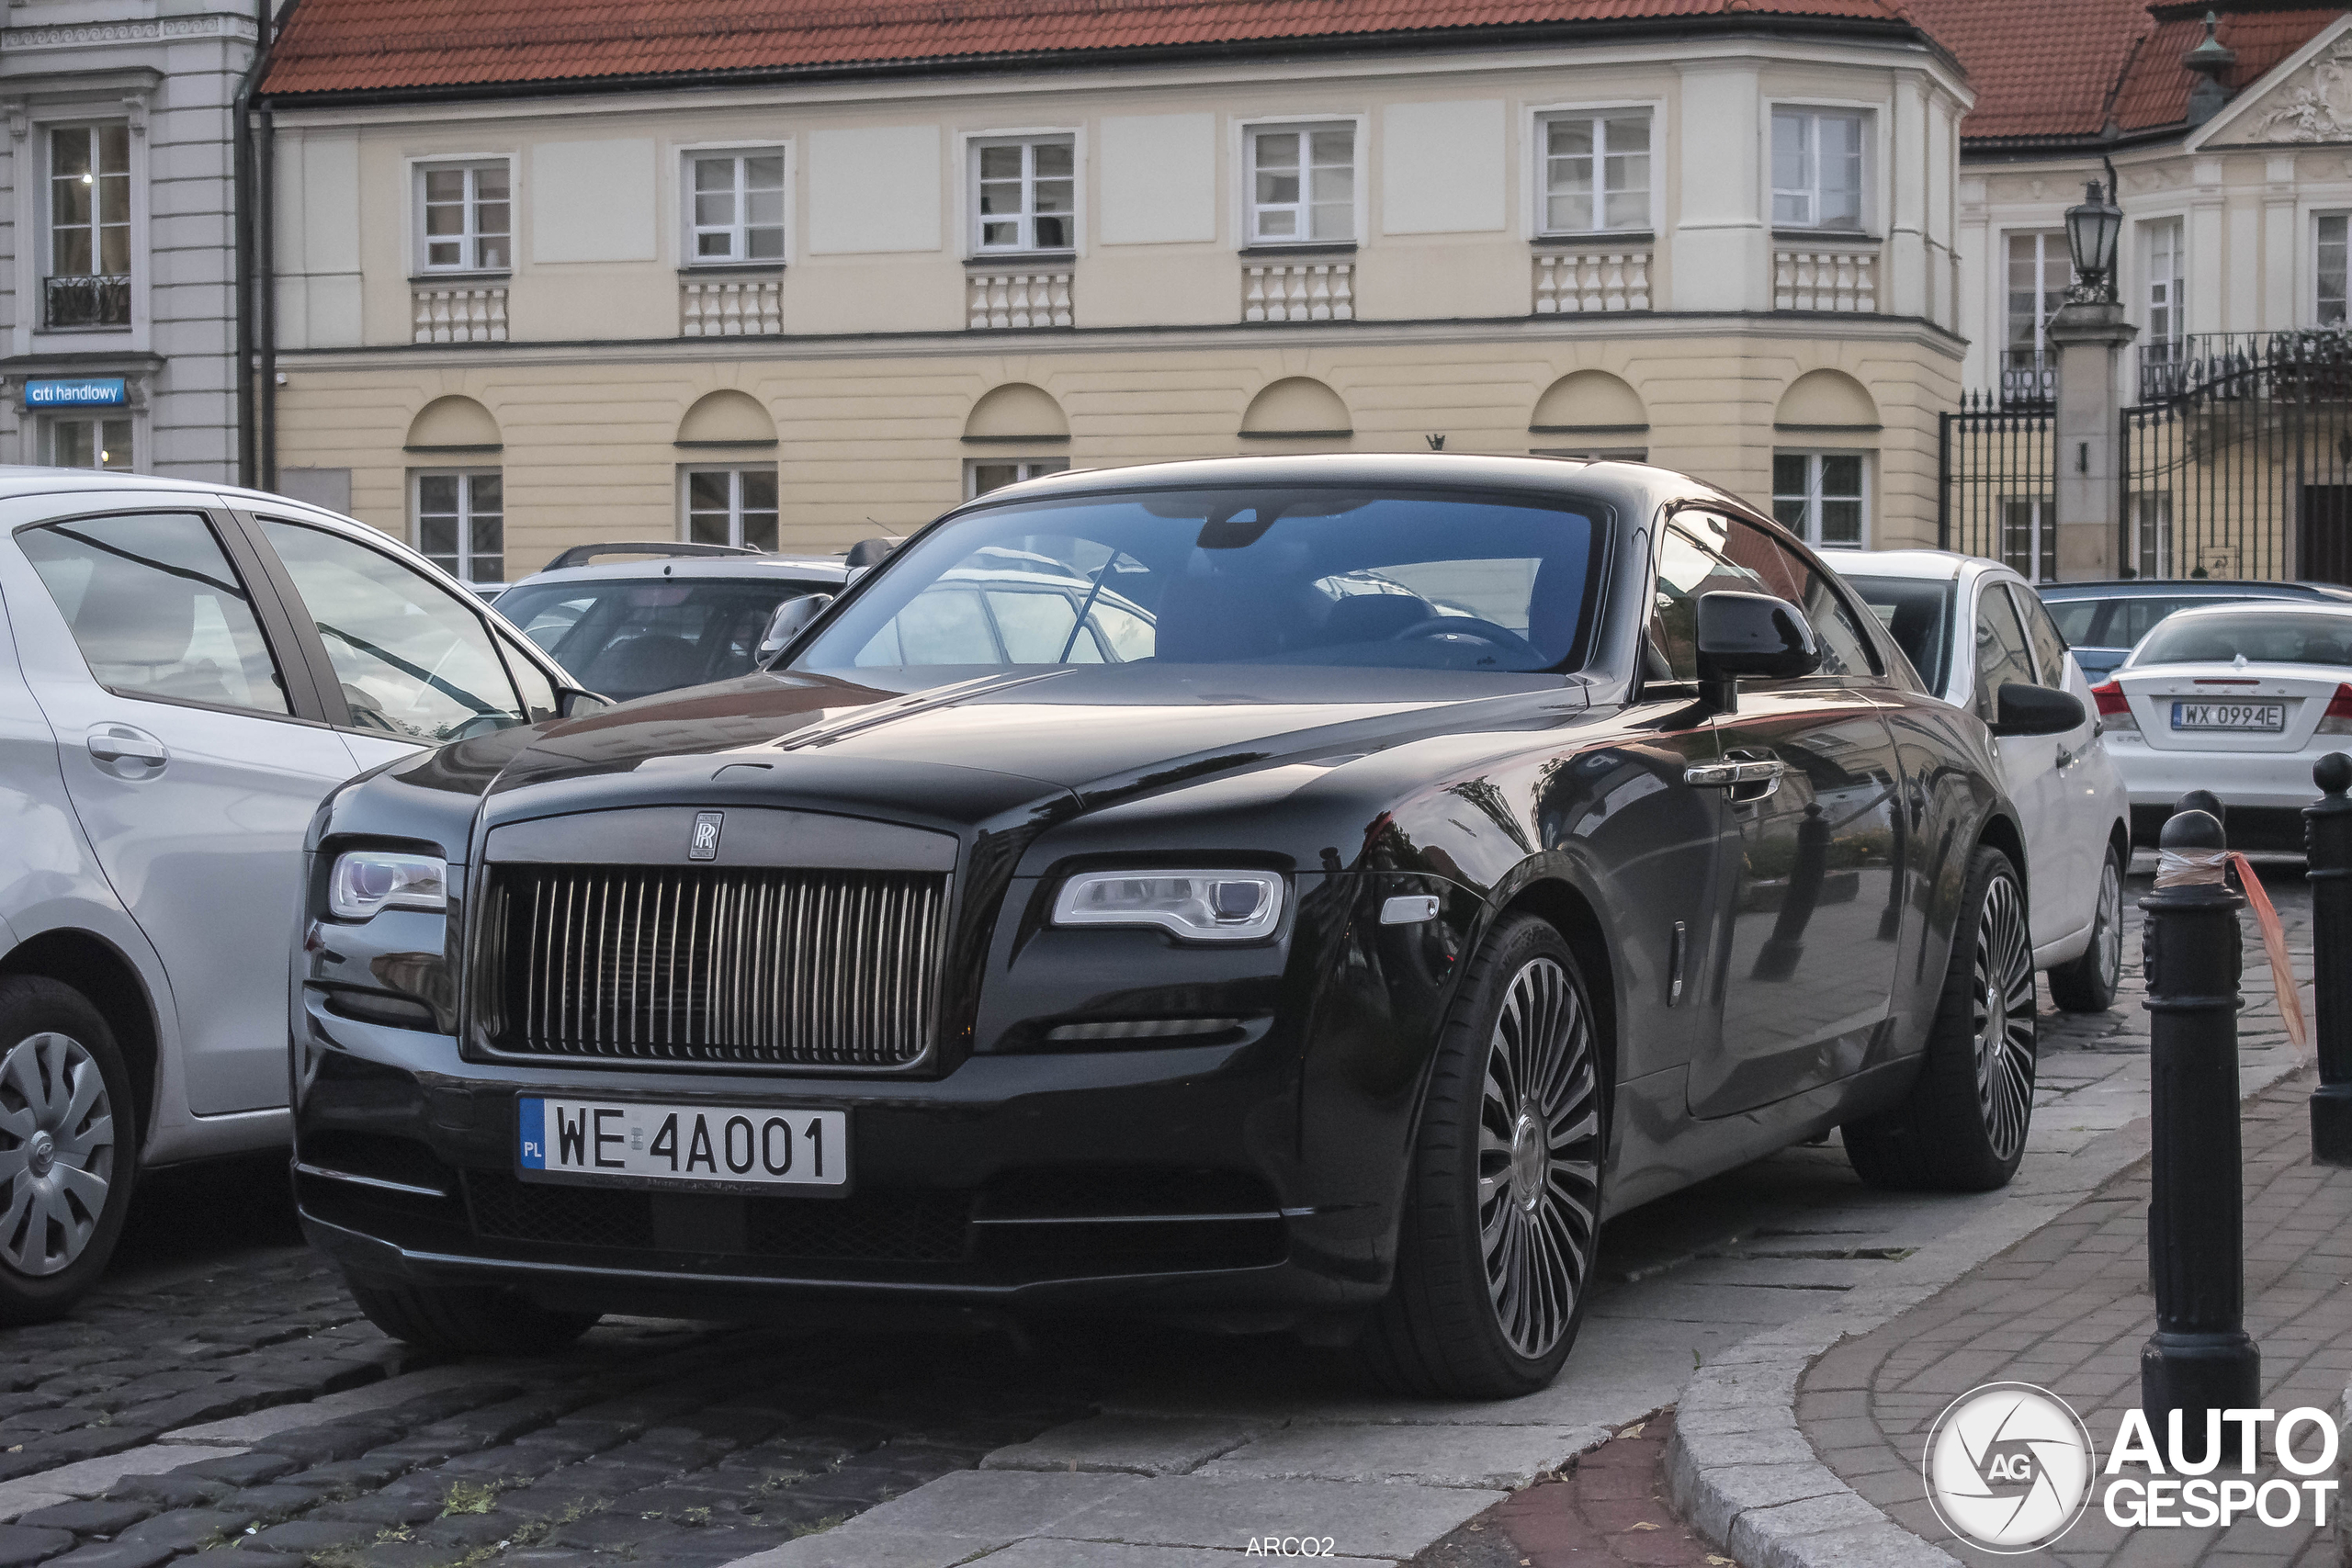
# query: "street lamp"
(2092, 228)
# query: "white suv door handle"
(127, 752)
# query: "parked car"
(2239, 699)
(1971, 627)
(1336, 961)
(679, 615)
(2100, 621)
(185, 671)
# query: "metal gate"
(1996, 492)
(2237, 459)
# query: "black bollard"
(2204, 800)
(2199, 1357)
(2327, 840)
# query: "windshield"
(625, 637)
(2263, 637)
(1289, 576)
(1915, 613)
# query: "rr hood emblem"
(704, 844)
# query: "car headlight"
(1203, 906)
(365, 881)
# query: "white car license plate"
(628, 1141)
(2229, 716)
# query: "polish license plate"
(634, 1144)
(2229, 716)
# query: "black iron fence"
(2240, 464)
(74, 299)
(1996, 460)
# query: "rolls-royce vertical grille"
(753, 967)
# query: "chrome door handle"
(115, 747)
(1724, 776)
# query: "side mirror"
(869, 552)
(2036, 710)
(791, 619)
(1751, 637)
(571, 702)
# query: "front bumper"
(1171, 1182)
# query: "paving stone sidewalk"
(2068, 1308)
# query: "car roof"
(1941, 566)
(827, 570)
(1635, 485)
(2194, 588)
(2261, 606)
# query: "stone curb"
(1746, 1476)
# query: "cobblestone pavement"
(237, 1402)
(2069, 1307)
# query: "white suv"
(185, 670)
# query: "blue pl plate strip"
(534, 1120)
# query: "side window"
(2049, 648)
(413, 660)
(2072, 619)
(1846, 648)
(537, 691)
(2001, 656)
(1690, 562)
(157, 610)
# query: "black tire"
(2089, 983)
(1499, 1228)
(1962, 1128)
(468, 1320)
(65, 1185)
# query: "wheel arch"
(2001, 832)
(1564, 906)
(111, 984)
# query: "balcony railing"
(2030, 381)
(1301, 291)
(1017, 297)
(731, 307)
(458, 313)
(1827, 277)
(1576, 282)
(79, 300)
(2310, 364)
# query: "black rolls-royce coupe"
(1354, 879)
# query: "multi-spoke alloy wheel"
(2088, 983)
(1539, 1158)
(2002, 1019)
(1501, 1225)
(58, 1121)
(1962, 1126)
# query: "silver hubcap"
(59, 1127)
(1539, 1158)
(2004, 1022)
(2107, 937)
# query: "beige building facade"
(800, 313)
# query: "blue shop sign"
(78, 393)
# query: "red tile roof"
(335, 46)
(2155, 88)
(2047, 72)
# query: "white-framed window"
(1024, 194)
(461, 522)
(1302, 183)
(87, 281)
(735, 206)
(982, 475)
(2327, 268)
(2151, 533)
(1596, 171)
(87, 440)
(1821, 497)
(2029, 537)
(2167, 270)
(734, 505)
(2040, 268)
(1817, 168)
(465, 216)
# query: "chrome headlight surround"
(364, 883)
(1196, 906)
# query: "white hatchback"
(2239, 699)
(1971, 626)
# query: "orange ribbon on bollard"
(2282, 967)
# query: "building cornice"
(1615, 326)
(98, 35)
